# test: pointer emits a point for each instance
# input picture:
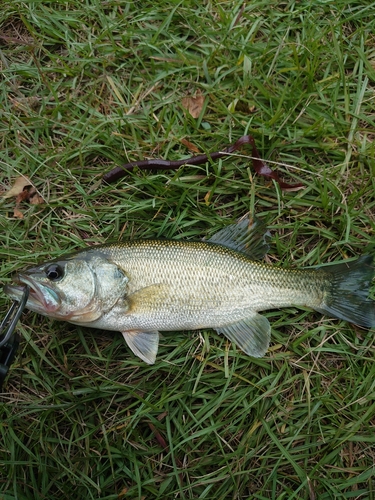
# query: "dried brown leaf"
(30, 195)
(17, 213)
(35, 198)
(23, 191)
(193, 104)
(190, 146)
(123, 492)
(159, 437)
(19, 185)
(23, 195)
(207, 198)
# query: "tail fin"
(348, 295)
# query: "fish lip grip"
(9, 341)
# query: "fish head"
(79, 289)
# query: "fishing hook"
(8, 340)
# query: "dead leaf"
(123, 492)
(207, 198)
(190, 146)
(19, 184)
(23, 195)
(193, 104)
(162, 415)
(17, 213)
(34, 197)
(30, 195)
(23, 191)
(159, 437)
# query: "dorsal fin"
(248, 235)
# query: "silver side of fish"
(143, 287)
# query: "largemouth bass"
(142, 287)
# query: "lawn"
(89, 85)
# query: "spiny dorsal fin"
(248, 235)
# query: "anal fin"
(143, 344)
(252, 334)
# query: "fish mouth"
(42, 298)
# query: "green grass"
(86, 86)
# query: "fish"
(143, 287)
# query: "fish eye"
(54, 272)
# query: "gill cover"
(79, 289)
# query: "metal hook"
(12, 321)
(8, 341)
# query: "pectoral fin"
(148, 298)
(143, 344)
(252, 335)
